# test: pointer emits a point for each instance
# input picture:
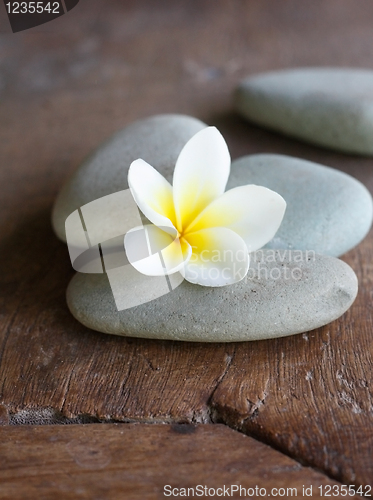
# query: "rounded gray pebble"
(330, 107)
(327, 210)
(285, 292)
(157, 140)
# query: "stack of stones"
(297, 283)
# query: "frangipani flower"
(203, 232)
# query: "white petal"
(154, 252)
(219, 257)
(152, 193)
(253, 212)
(201, 174)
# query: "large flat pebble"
(331, 107)
(327, 211)
(285, 292)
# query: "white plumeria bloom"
(205, 233)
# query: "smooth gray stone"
(327, 210)
(157, 140)
(279, 297)
(331, 107)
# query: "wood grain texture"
(137, 461)
(66, 89)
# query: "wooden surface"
(137, 461)
(63, 90)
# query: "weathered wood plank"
(137, 461)
(311, 395)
